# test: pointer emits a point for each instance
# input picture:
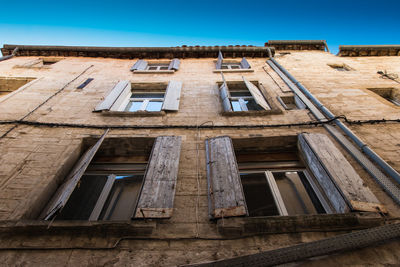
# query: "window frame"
(145, 101)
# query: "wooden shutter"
(174, 65)
(172, 96)
(115, 97)
(244, 64)
(225, 192)
(256, 93)
(299, 104)
(65, 190)
(224, 93)
(219, 61)
(139, 65)
(335, 174)
(157, 196)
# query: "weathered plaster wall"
(35, 159)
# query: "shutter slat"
(256, 93)
(65, 190)
(225, 192)
(112, 97)
(172, 96)
(224, 93)
(174, 64)
(340, 171)
(244, 64)
(157, 196)
(219, 61)
(139, 65)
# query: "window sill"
(234, 70)
(253, 113)
(134, 114)
(137, 228)
(302, 223)
(154, 71)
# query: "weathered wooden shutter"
(256, 93)
(115, 97)
(339, 180)
(157, 196)
(172, 96)
(244, 64)
(219, 61)
(174, 65)
(225, 192)
(65, 190)
(224, 93)
(139, 65)
(299, 104)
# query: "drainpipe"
(363, 146)
(14, 52)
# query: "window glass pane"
(294, 194)
(259, 199)
(154, 106)
(164, 68)
(224, 67)
(235, 105)
(148, 95)
(252, 105)
(152, 67)
(243, 93)
(122, 199)
(134, 106)
(235, 67)
(88, 191)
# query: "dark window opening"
(390, 94)
(275, 180)
(8, 85)
(110, 187)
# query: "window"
(143, 66)
(390, 94)
(142, 97)
(340, 67)
(145, 101)
(40, 62)
(292, 175)
(157, 67)
(110, 181)
(242, 96)
(11, 84)
(231, 65)
(291, 102)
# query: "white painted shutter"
(139, 65)
(256, 93)
(158, 191)
(224, 93)
(219, 61)
(65, 190)
(115, 97)
(174, 65)
(172, 96)
(340, 181)
(244, 64)
(225, 192)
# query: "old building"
(232, 155)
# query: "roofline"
(137, 52)
(368, 50)
(319, 45)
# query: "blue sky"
(175, 23)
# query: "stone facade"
(38, 153)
